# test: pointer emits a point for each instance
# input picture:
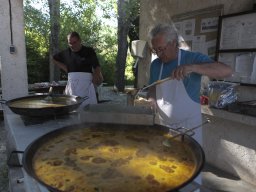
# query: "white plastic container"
(253, 75)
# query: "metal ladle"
(49, 97)
(152, 84)
(157, 82)
(168, 142)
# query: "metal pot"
(44, 104)
(34, 147)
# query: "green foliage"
(37, 59)
(76, 15)
(83, 20)
(37, 44)
(132, 9)
(107, 49)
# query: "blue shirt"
(192, 82)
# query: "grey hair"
(168, 30)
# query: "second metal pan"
(44, 104)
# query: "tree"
(37, 43)
(134, 35)
(54, 10)
(128, 11)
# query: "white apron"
(175, 107)
(80, 84)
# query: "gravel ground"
(3, 159)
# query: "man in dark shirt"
(82, 66)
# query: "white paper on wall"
(186, 29)
(209, 24)
(198, 44)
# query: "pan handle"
(84, 98)
(190, 131)
(3, 101)
(13, 160)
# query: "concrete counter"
(229, 142)
(239, 118)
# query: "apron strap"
(179, 57)
(161, 71)
(162, 65)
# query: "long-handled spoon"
(167, 142)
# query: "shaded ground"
(3, 159)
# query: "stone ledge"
(240, 118)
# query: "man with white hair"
(177, 101)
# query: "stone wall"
(229, 143)
(153, 12)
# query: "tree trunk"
(54, 7)
(123, 29)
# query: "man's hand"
(152, 98)
(153, 104)
(97, 77)
(181, 72)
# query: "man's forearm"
(60, 65)
(97, 76)
(151, 93)
(213, 70)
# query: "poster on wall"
(189, 29)
(209, 25)
(211, 48)
(198, 44)
(242, 28)
(186, 29)
(179, 28)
